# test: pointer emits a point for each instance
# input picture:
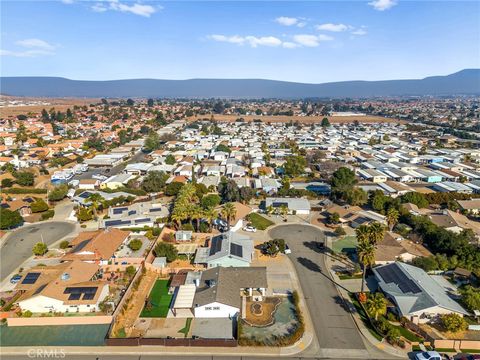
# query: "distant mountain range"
(465, 82)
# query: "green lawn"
(160, 299)
(349, 277)
(407, 334)
(259, 221)
(342, 245)
(471, 351)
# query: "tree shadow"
(316, 246)
(310, 265)
(345, 304)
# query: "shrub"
(27, 313)
(64, 244)
(84, 214)
(39, 205)
(58, 193)
(7, 183)
(167, 250)
(48, 214)
(9, 219)
(135, 244)
(17, 190)
(130, 270)
(39, 249)
(453, 322)
(24, 178)
(340, 231)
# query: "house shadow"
(316, 246)
(309, 264)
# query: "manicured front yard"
(259, 222)
(343, 245)
(160, 300)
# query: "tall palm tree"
(392, 217)
(284, 210)
(95, 200)
(229, 212)
(270, 209)
(366, 256)
(197, 214)
(177, 219)
(210, 215)
(363, 233)
(377, 232)
(377, 305)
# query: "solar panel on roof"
(155, 209)
(117, 211)
(139, 221)
(216, 245)
(117, 222)
(392, 274)
(75, 296)
(85, 195)
(132, 212)
(88, 296)
(31, 278)
(80, 246)
(236, 250)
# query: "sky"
(311, 41)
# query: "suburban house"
(417, 295)
(470, 206)
(394, 247)
(96, 246)
(135, 215)
(297, 206)
(226, 249)
(218, 293)
(69, 287)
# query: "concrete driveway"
(17, 247)
(334, 326)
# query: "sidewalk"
(368, 337)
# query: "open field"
(36, 105)
(302, 119)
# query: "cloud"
(332, 27)
(253, 41)
(359, 32)
(382, 5)
(68, 2)
(286, 21)
(36, 44)
(116, 5)
(26, 53)
(311, 40)
(290, 45)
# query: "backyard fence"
(171, 342)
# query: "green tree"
(223, 148)
(64, 244)
(356, 196)
(84, 214)
(152, 142)
(471, 298)
(173, 188)
(130, 270)
(210, 214)
(229, 191)
(210, 201)
(135, 244)
(150, 102)
(39, 249)
(38, 206)
(453, 322)
(295, 165)
(170, 160)
(6, 183)
(163, 249)
(24, 178)
(416, 198)
(333, 218)
(154, 181)
(58, 193)
(9, 219)
(392, 217)
(95, 200)
(325, 122)
(365, 250)
(377, 305)
(229, 212)
(342, 181)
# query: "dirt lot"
(43, 103)
(302, 119)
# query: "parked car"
(428, 355)
(287, 250)
(15, 279)
(249, 228)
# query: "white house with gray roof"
(417, 296)
(226, 249)
(298, 205)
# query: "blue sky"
(313, 41)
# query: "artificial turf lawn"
(160, 299)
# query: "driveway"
(334, 326)
(18, 245)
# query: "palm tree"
(210, 215)
(95, 200)
(377, 232)
(284, 210)
(392, 217)
(363, 233)
(197, 214)
(270, 209)
(177, 219)
(366, 256)
(229, 212)
(377, 305)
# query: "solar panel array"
(132, 212)
(85, 195)
(155, 209)
(236, 250)
(216, 245)
(392, 274)
(77, 292)
(80, 245)
(31, 278)
(117, 211)
(144, 220)
(117, 222)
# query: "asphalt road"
(33, 354)
(334, 326)
(18, 245)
